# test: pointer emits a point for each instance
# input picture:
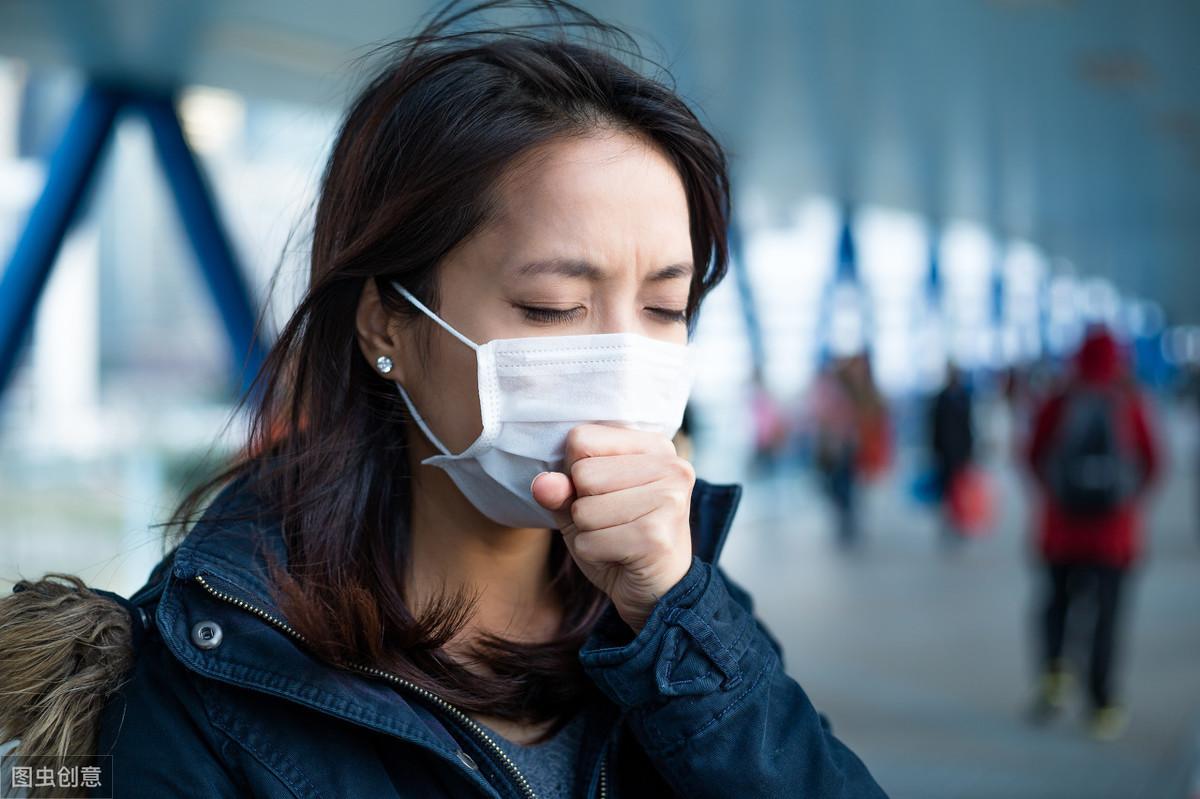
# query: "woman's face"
(592, 236)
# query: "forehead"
(609, 197)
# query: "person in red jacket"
(1093, 454)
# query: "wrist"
(635, 617)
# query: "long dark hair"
(412, 173)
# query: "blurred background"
(936, 202)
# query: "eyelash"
(536, 314)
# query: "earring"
(384, 364)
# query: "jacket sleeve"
(158, 736)
(1045, 420)
(706, 695)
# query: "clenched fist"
(623, 504)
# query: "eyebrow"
(576, 268)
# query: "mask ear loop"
(412, 408)
(434, 316)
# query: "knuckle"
(583, 476)
(578, 440)
(658, 540)
(582, 513)
(684, 468)
(584, 546)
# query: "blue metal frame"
(997, 290)
(845, 271)
(198, 210)
(741, 274)
(71, 171)
(72, 168)
(933, 278)
(847, 256)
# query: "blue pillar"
(70, 173)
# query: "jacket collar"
(232, 550)
(217, 575)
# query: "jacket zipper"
(468, 722)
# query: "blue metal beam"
(845, 272)
(70, 173)
(847, 258)
(933, 278)
(741, 274)
(68, 177)
(997, 291)
(198, 210)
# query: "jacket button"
(206, 634)
(467, 761)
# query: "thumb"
(555, 492)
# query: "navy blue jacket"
(224, 699)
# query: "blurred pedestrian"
(770, 427)
(1094, 455)
(952, 443)
(872, 418)
(836, 445)
(852, 440)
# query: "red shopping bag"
(875, 445)
(970, 502)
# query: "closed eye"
(538, 314)
(670, 315)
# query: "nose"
(620, 317)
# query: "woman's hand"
(623, 506)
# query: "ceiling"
(1072, 123)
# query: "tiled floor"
(921, 656)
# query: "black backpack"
(1089, 471)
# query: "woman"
(513, 237)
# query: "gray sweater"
(549, 766)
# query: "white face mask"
(532, 391)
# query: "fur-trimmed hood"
(65, 648)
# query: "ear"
(378, 331)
